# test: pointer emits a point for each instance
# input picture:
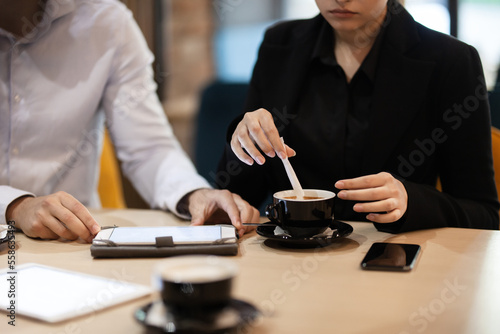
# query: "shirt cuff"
(7, 196)
(170, 199)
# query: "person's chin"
(343, 25)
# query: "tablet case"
(164, 247)
(98, 251)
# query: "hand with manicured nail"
(258, 128)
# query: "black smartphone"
(389, 256)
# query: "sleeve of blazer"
(247, 181)
(465, 163)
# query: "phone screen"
(389, 256)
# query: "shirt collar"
(58, 8)
(323, 50)
(54, 9)
(369, 65)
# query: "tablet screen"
(180, 234)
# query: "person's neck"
(351, 52)
(21, 16)
(354, 40)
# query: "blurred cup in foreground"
(195, 284)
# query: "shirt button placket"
(15, 107)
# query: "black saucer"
(159, 319)
(335, 231)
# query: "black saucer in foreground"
(334, 232)
(232, 319)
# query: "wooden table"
(454, 288)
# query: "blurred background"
(205, 51)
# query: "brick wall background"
(189, 28)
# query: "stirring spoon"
(291, 175)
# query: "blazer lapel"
(399, 93)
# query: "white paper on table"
(52, 294)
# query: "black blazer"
(430, 119)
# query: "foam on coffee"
(309, 195)
(196, 269)
(198, 274)
(305, 198)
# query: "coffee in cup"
(195, 284)
(302, 217)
